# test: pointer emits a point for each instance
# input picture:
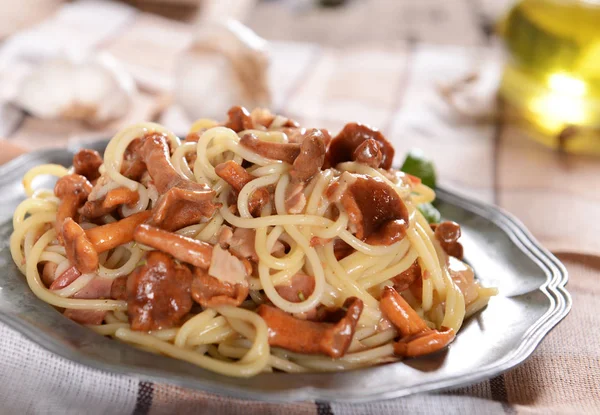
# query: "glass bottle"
(552, 78)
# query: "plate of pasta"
(264, 260)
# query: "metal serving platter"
(531, 302)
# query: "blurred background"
(496, 92)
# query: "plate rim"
(554, 288)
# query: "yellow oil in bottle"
(553, 75)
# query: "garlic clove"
(93, 90)
(226, 65)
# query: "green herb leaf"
(417, 164)
(431, 213)
(301, 296)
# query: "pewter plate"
(531, 302)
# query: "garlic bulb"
(226, 65)
(93, 90)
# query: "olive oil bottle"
(553, 75)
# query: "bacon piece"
(224, 236)
(91, 317)
(66, 278)
(98, 287)
(241, 243)
(299, 288)
(318, 241)
(295, 200)
(118, 288)
(227, 267)
(340, 186)
(464, 277)
(48, 271)
(294, 135)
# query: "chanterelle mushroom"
(183, 202)
(185, 249)
(400, 313)
(239, 119)
(309, 337)
(276, 151)
(72, 190)
(311, 158)
(113, 199)
(179, 208)
(111, 235)
(369, 153)
(80, 251)
(158, 293)
(417, 339)
(86, 162)
(374, 208)
(133, 165)
(405, 279)
(209, 291)
(343, 146)
(237, 177)
(447, 233)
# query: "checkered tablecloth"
(393, 87)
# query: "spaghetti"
(255, 245)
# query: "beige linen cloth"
(394, 88)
